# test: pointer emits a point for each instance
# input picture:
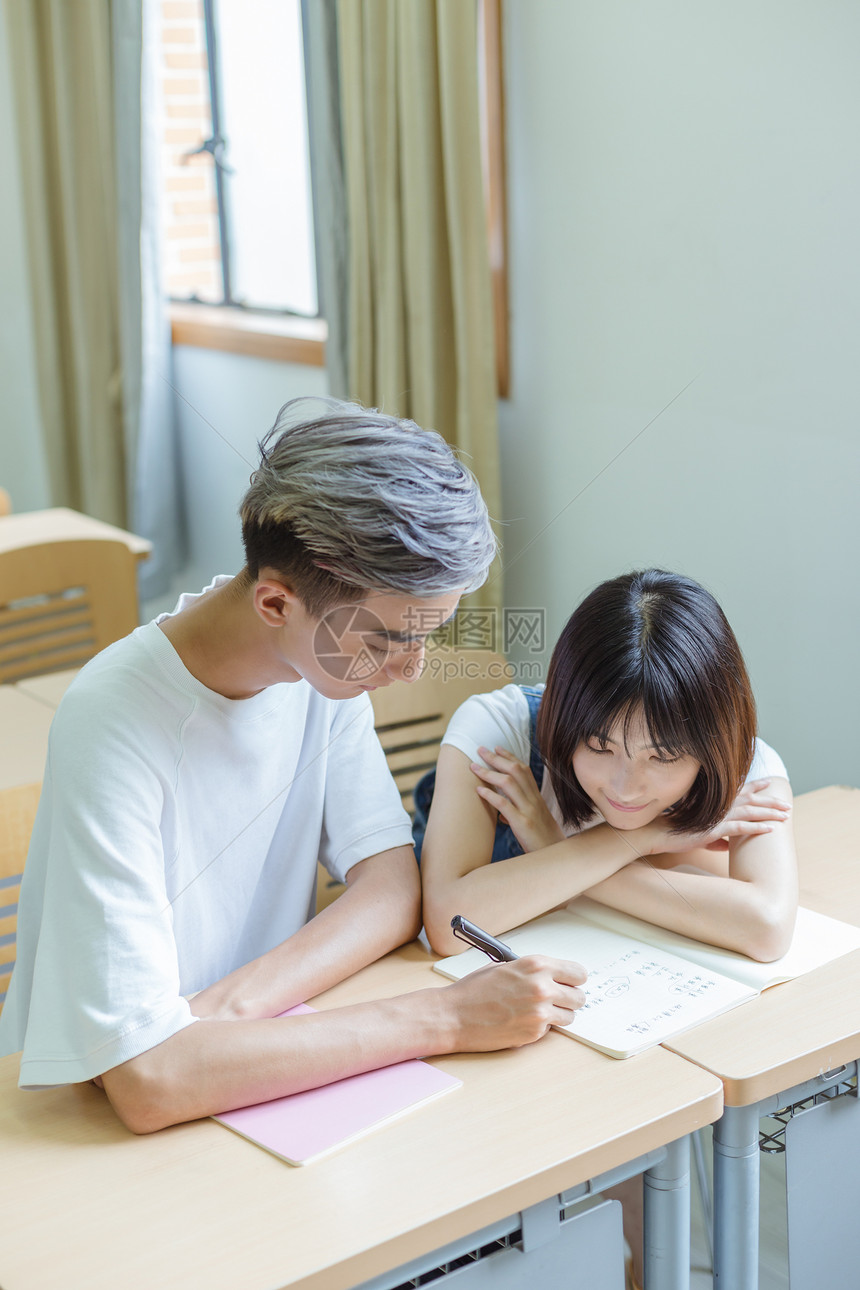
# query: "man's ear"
(274, 599)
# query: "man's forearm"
(214, 1066)
(378, 911)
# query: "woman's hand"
(509, 786)
(753, 812)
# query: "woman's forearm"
(504, 895)
(719, 911)
(750, 907)
(752, 917)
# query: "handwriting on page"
(642, 992)
(636, 994)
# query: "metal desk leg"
(736, 1198)
(667, 1220)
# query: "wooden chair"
(61, 602)
(17, 812)
(411, 719)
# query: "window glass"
(266, 226)
(264, 123)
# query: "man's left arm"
(380, 909)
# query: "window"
(237, 217)
(237, 200)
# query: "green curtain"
(62, 69)
(420, 327)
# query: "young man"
(198, 769)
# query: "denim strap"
(505, 844)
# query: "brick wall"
(192, 260)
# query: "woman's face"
(631, 785)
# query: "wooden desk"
(790, 1042)
(26, 712)
(85, 1203)
(62, 524)
(48, 689)
(24, 725)
(797, 1030)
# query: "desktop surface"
(809, 1026)
(84, 1201)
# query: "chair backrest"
(62, 602)
(410, 719)
(17, 812)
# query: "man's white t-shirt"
(177, 838)
(501, 719)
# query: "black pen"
(481, 940)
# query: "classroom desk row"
(196, 1206)
(509, 1165)
(61, 524)
(794, 1052)
(26, 711)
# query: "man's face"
(367, 644)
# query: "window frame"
(294, 338)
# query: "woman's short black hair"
(656, 643)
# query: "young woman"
(634, 776)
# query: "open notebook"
(646, 985)
(304, 1126)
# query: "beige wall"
(685, 198)
(228, 403)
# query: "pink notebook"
(304, 1126)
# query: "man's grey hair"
(375, 500)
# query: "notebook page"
(636, 996)
(817, 940)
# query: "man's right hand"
(507, 1005)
